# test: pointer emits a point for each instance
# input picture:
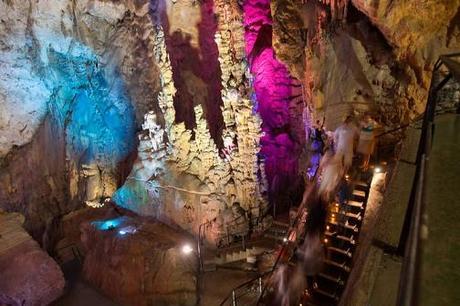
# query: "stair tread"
(341, 237)
(274, 237)
(350, 215)
(355, 204)
(338, 250)
(359, 193)
(361, 183)
(331, 278)
(336, 264)
(281, 223)
(346, 225)
(325, 293)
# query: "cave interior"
(229, 152)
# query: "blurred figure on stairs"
(344, 138)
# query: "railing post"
(200, 255)
(260, 285)
(233, 298)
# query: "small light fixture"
(187, 249)
(325, 240)
(122, 232)
(285, 239)
(377, 169)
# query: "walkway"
(441, 266)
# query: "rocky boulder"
(28, 275)
(140, 262)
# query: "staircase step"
(359, 193)
(275, 237)
(346, 252)
(331, 278)
(353, 228)
(209, 267)
(361, 185)
(350, 239)
(281, 223)
(356, 216)
(356, 204)
(342, 266)
(327, 294)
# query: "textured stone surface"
(28, 275)
(368, 56)
(75, 78)
(145, 266)
(184, 176)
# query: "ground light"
(187, 249)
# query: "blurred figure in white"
(280, 282)
(344, 138)
(332, 170)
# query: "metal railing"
(412, 236)
(251, 286)
(288, 247)
(202, 236)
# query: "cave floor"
(82, 294)
(216, 286)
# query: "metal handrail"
(248, 284)
(278, 258)
(200, 243)
(202, 235)
(411, 240)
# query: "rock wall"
(181, 176)
(29, 275)
(77, 78)
(357, 56)
(279, 102)
(219, 94)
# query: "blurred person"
(344, 138)
(366, 140)
(332, 170)
(280, 283)
(316, 140)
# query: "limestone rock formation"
(179, 171)
(77, 78)
(28, 275)
(139, 262)
(362, 56)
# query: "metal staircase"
(340, 240)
